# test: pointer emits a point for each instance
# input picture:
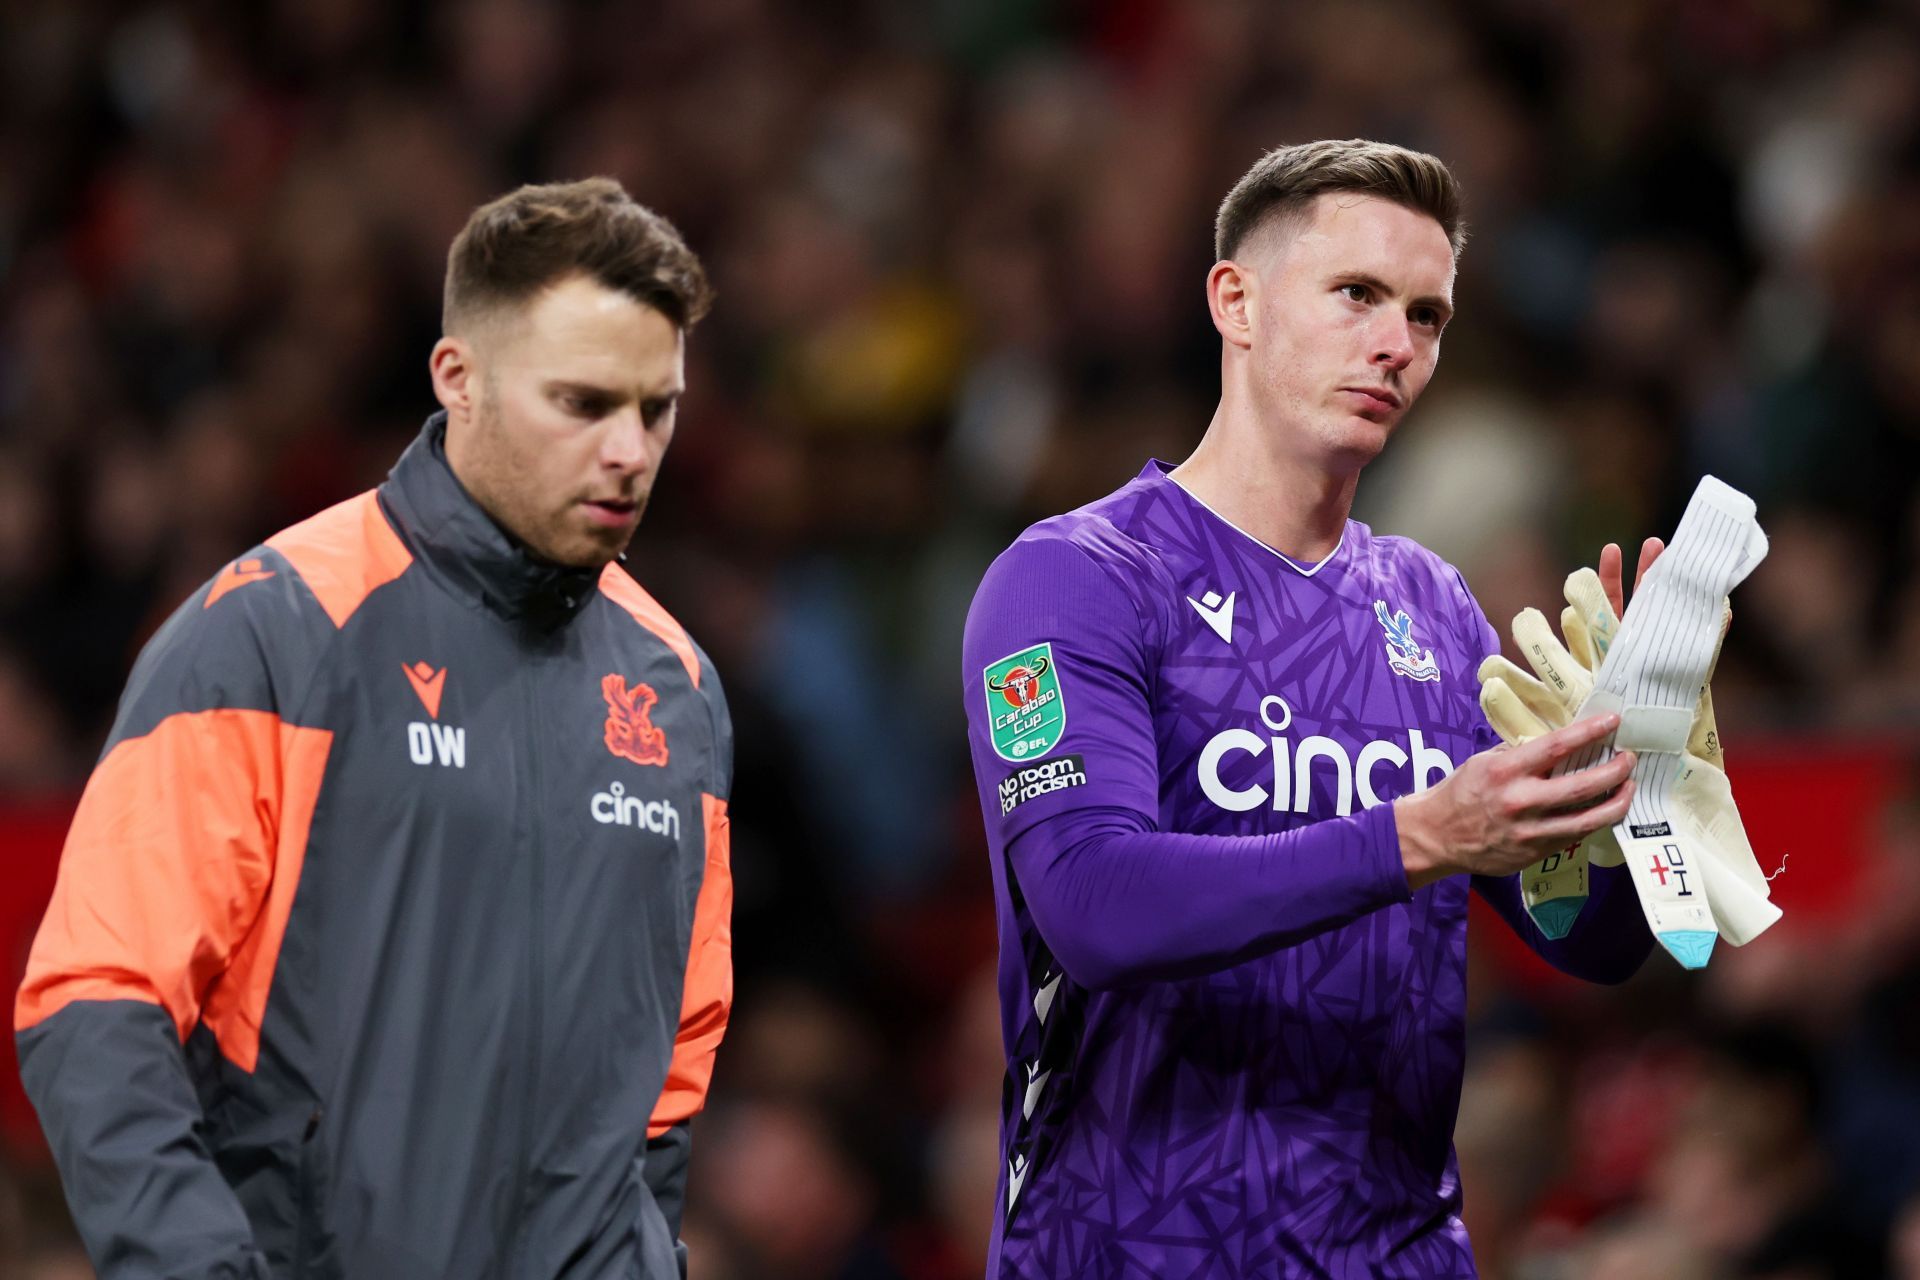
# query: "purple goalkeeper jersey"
(1234, 1038)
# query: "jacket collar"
(480, 561)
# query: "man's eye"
(654, 411)
(1426, 316)
(1356, 292)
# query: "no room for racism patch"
(1041, 779)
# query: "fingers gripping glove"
(1521, 707)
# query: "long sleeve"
(1116, 899)
(1609, 940)
(1119, 902)
(160, 923)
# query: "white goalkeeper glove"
(1520, 707)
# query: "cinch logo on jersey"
(1293, 765)
(1037, 780)
(615, 808)
(1404, 655)
(1025, 706)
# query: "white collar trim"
(1303, 570)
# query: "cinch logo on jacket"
(614, 807)
(630, 731)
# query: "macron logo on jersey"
(1217, 613)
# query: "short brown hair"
(1284, 182)
(517, 245)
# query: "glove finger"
(1740, 914)
(1557, 670)
(1579, 639)
(1705, 817)
(1546, 705)
(1705, 796)
(1589, 598)
(1508, 715)
(1703, 739)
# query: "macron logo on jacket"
(427, 743)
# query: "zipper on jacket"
(523, 1193)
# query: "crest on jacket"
(1403, 654)
(630, 731)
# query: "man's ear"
(1230, 290)
(455, 376)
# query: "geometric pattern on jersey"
(1291, 1114)
(1260, 1072)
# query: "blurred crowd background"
(960, 248)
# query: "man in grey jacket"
(391, 935)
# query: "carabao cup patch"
(1026, 708)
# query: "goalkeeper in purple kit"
(1238, 785)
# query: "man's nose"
(623, 446)
(1393, 344)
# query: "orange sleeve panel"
(344, 554)
(708, 998)
(620, 587)
(179, 873)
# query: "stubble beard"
(493, 483)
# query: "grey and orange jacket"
(391, 933)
